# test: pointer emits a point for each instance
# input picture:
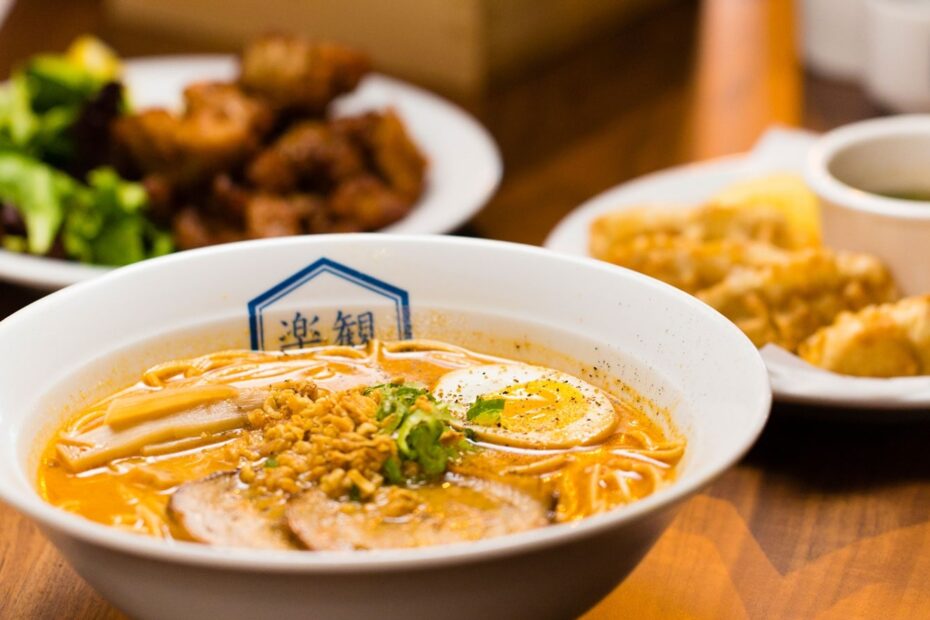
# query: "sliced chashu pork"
(104, 443)
(459, 510)
(217, 511)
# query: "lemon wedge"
(93, 55)
(788, 194)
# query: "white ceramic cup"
(853, 168)
(831, 35)
(897, 54)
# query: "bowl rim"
(53, 519)
(845, 196)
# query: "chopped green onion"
(485, 412)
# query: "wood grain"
(747, 74)
(821, 519)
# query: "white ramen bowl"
(851, 167)
(598, 321)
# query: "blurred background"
(579, 94)
(582, 95)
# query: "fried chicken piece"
(785, 302)
(269, 215)
(888, 340)
(229, 102)
(384, 139)
(234, 214)
(692, 265)
(228, 198)
(220, 129)
(193, 229)
(161, 197)
(295, 75)
(365, 203)
(310, 155)
(613, 232)
(692, 249)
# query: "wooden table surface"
(823, 519)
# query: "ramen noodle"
(394, 444)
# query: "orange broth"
(132, 493)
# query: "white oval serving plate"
(464, 162)
(794, 381)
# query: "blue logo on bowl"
(328, 303)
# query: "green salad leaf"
(96, 216)
(18, 123)
(14, 243)
(40, 104)
(39, 192)
(106, 223)
(102, 222)
(56, 81)
(52, 140)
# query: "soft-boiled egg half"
(526, 406)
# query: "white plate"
(779, 150)
(464, 163)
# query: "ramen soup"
(390, 445)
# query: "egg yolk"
(540, 405)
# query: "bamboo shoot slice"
(130, 410)
(104, 443)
